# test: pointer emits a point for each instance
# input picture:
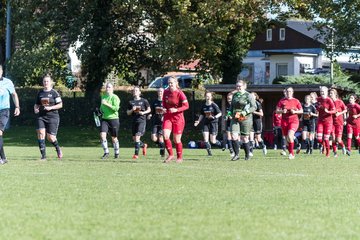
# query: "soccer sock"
(116, 147)
(104, 145)
(246, 147)
(2, 153)
(162, 148)
(168, 147)
(207, 145)
(342, 145)
(236, 146)
(251, 145)
(349, 144)
(141, 144)
(217, 143)
(327, 147)
(261, 144)
(311, 144)
(179, 148)
(42, 147)
(56, 144)
(291, 148)
(137, 147)
(334, 146)
(358, 142)
(230, 145)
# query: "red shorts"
(175, 125)
(353, 129)
(324, 127)
(337, 130)
(287, 126)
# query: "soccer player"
(353, 123)
(138, 108)
(48, 102)
(6, 88)
(278, 137)
(289, 107)
(326, 108)
(242, 106)
(228, 124)
(157, 134)
(175, 103)
(210, 113)
(110, 105)
(308, 122)
(338, 122)
(257, 125)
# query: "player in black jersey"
(47, 104)
(157, 116)
(138, 108)
(210, 113)
(308, 122)
(228, 118)
(255, 135)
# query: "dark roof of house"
(306, 28)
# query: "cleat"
(343, 150)
(311, 150)
(209, 152)
(135, 156)
(105, 156)
(169, 159)
(59, 153)
(283, 153)
(348, 152)
(291, 156)
(144, 149)
(251, 154)
(275, 147)
(235, 158)
(43, 158)
(232, 154)
(179, 160)
(162, 155)
(116, 155)
(335, 155)
(264, 150)
(2, 162)
(247, 157)
(298, 150)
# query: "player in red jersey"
(353, 123)
(326, 109)
(290, 107)
(338, 122)
(174, 103)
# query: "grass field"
(83, 197)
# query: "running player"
(157, 134)
(353, 123)
(338, 120)
(255, 135)
(175, 103)
(228, 124)
(210, 113)
(138, 108)
(289, 107)
(308, 122)
(326, 109)
(242, 106)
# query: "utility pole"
(8, 33)
(332, 58)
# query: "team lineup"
(320, 119)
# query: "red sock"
(291, 148)
(327, 147)
(179, 148)
(349, 144)
(334, 145)
(341, 144)
(358, 141)
(168, 147)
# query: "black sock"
(230, 145)
(246, 149)
(56, 144)
(141, 144)
(261, 144)
(208, 146)
(236, 146)
(162, 148)
(42, 147)
(137, 147)
(2, 152)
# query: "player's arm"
(16, 103)
(217, 109)
(199, 120)
(130, 110)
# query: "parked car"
(316, 70)
(184, 81)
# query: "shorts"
(337, 130)
(257, 126)
(138, 128)
(242, 127)
(50, 124)
(309, 126)
(287, 126)
(324, 127)
(110, 125)
(157, 130)
(211, 128)
(176, 126)
(4, 118)
(353, 129)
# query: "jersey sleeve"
(184, 102)
(57, 97)
(217, 109)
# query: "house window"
(281, 69)
(268, 34)
(247, 72)
(282, 34)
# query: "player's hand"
(326, 110)
(173, 110)
(293, 111)
(48, 108)
(134, 108)
(284, 110)
(355, 116)
(196, 123)
(149, 116)
(36, 110)
(17, 112)
(141, 113)
(104, 102)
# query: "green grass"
(83, 197)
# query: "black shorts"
(50, 124)
(111, 126)
(257, 126)
(4, 118)
(138, 128)
(309, 126)
(157, 130)
(211, 128)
